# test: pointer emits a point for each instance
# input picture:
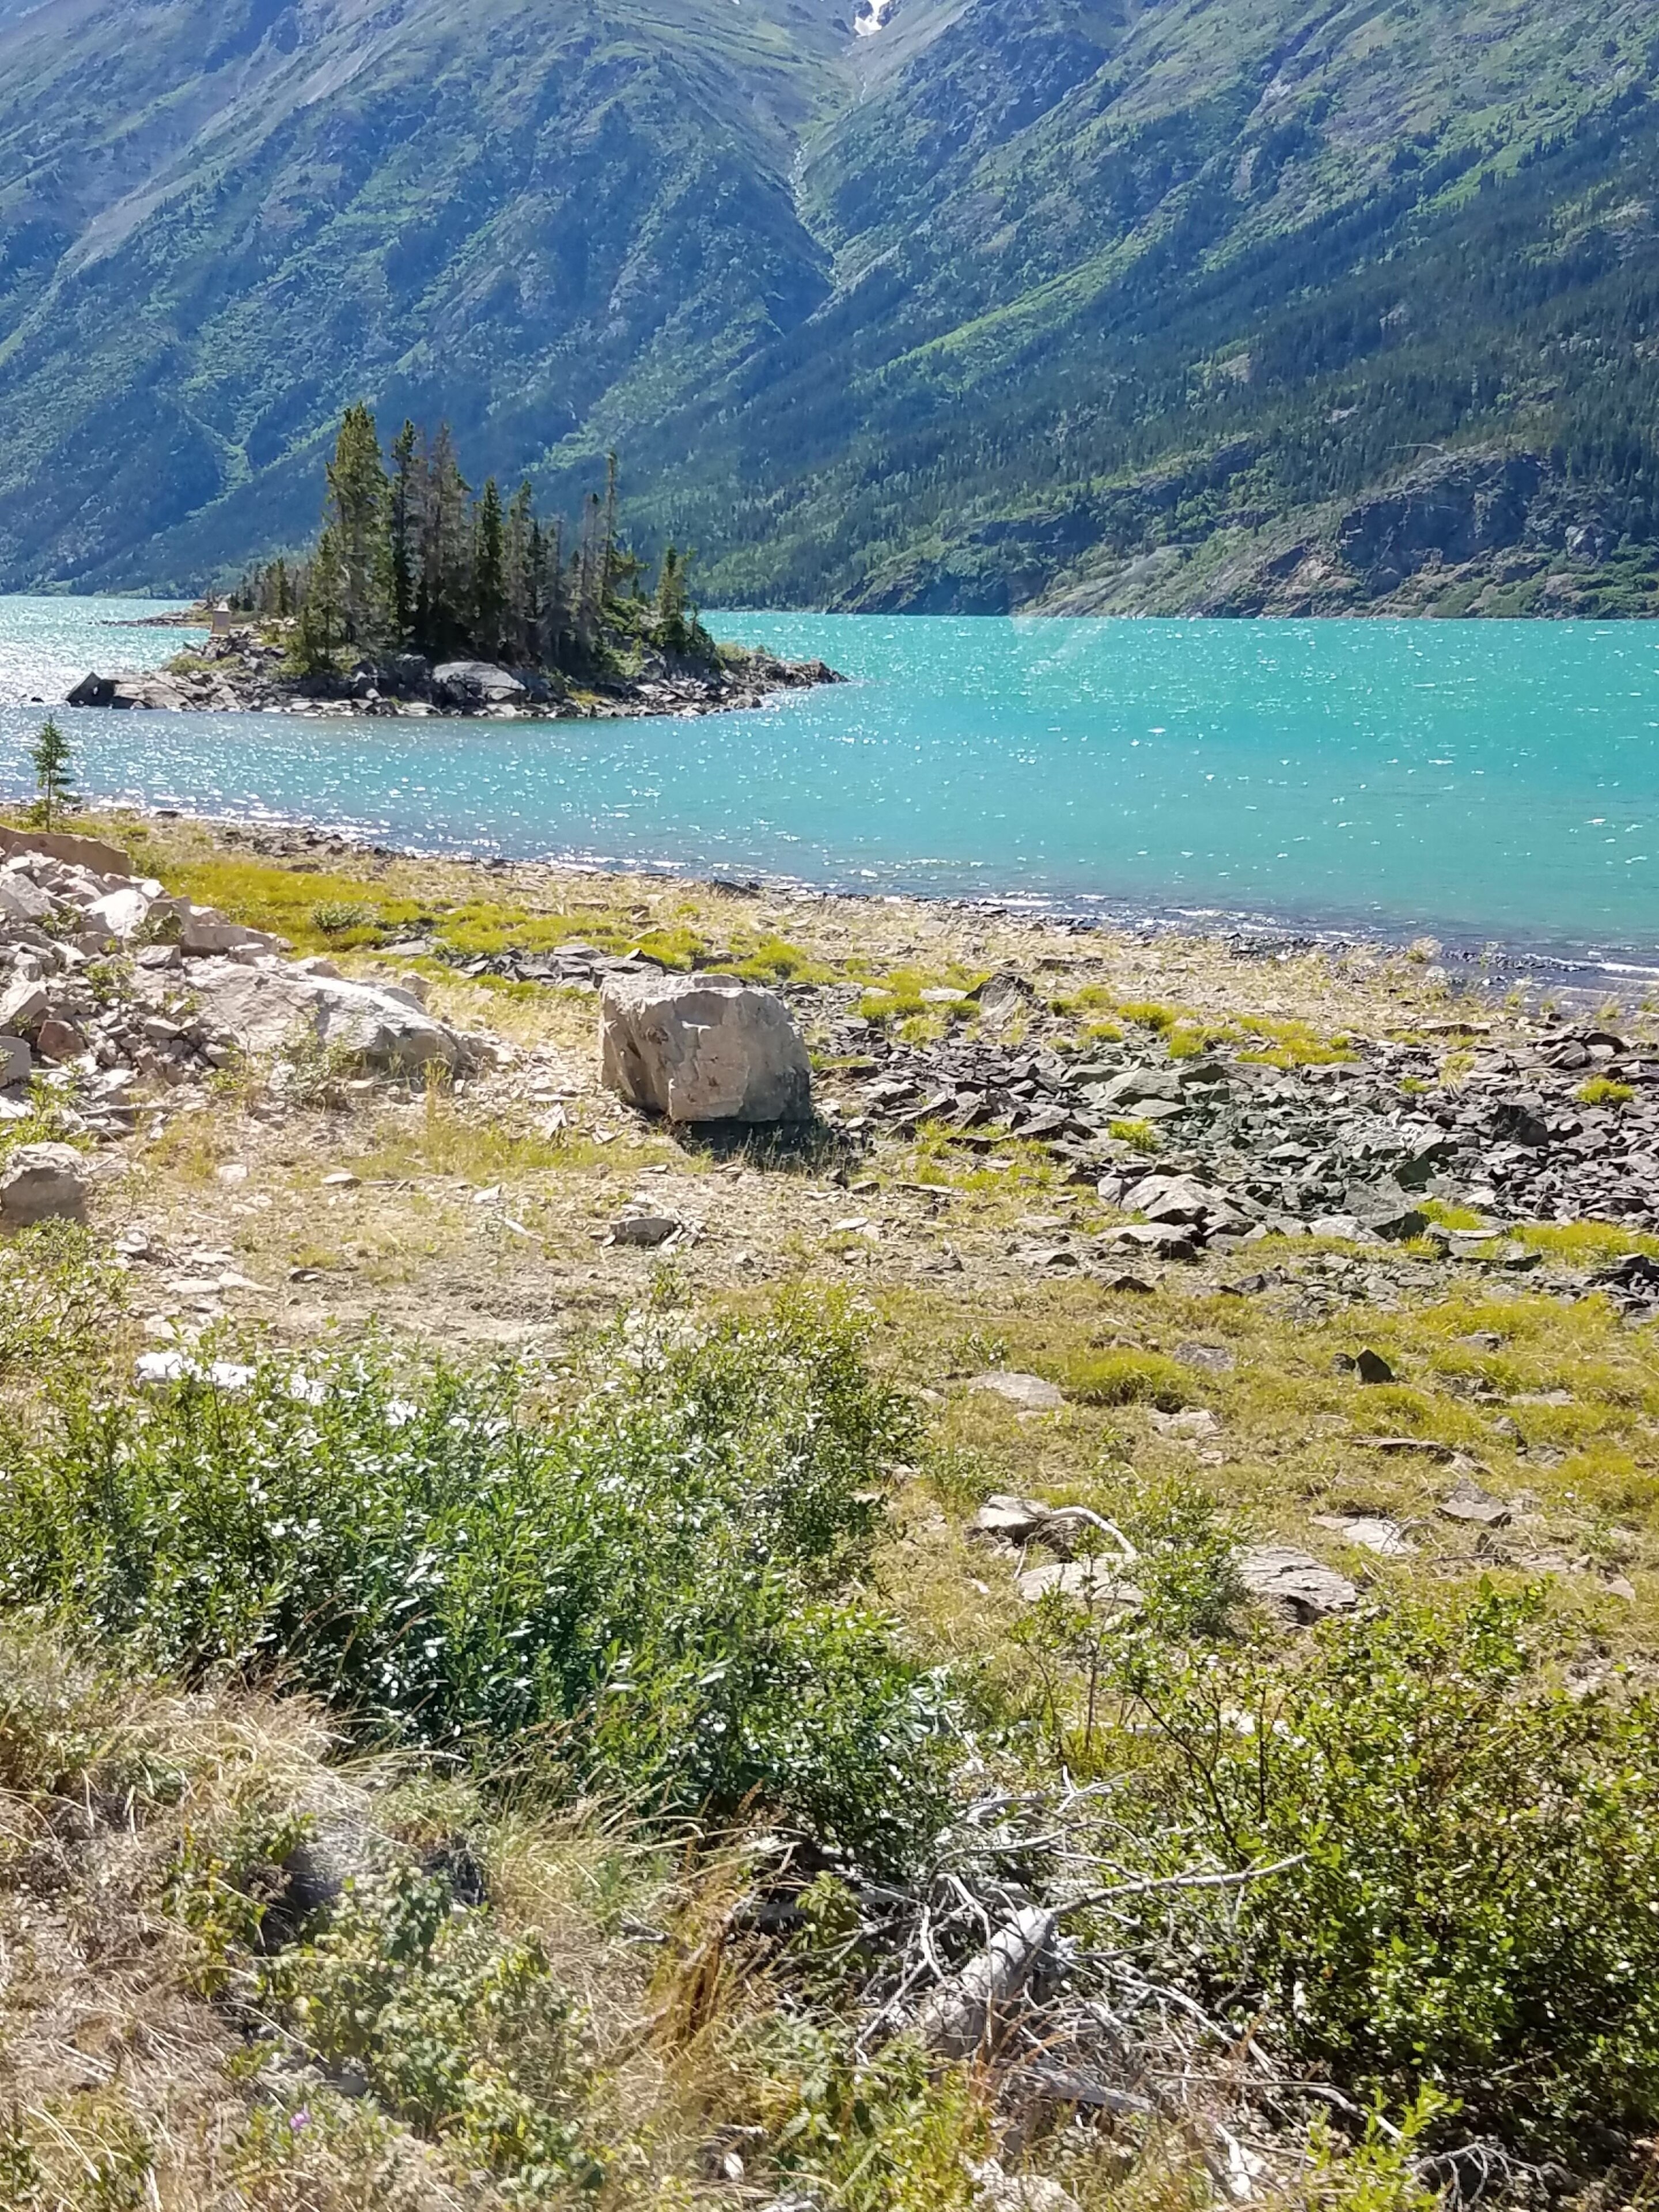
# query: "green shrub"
(338, 917)
(1473, 1903)
(653, 1595)
(457, 2030)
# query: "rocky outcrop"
(178, 991)
(703, 1048)
(42, 1183)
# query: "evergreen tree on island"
(408, 561)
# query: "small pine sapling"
(49, 756)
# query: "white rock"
(202, 932)
(23, 1005)
(1308, 1589)
(261, 1007)
(15, 1062)
(42, 1183)
(1030, 1393)
(699, 1049)
(120, 913)
(1092, 1581)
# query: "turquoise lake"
(1497, 780)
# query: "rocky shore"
(241, 671)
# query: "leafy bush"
(648, 1595)
(457, 2030)
(1473, 1906)
(58, 1297)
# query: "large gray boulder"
(472, 685)
(263, 1007)
(703, 1048)
(42, 1183)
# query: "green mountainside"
(1216, 305)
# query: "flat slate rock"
(1307, 1588)
(1030, 1393)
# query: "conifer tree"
(49, 757)
(359, 508)
(672, 633)
(407, 484)
(489, 573)
(523, 562)
(445, 563)
(321, 608)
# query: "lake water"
(1478, 778)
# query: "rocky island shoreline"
(246, 672)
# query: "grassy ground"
(474, 1224)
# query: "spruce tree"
(49, 757)
(321, 607)
(488, 573)
(523, 573)
(672, 634)
(359, 510)
(407, 485)
(446, 551)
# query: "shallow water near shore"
(1480, 779)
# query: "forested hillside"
(1222, 304)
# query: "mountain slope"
(1085, 303)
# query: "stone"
(1521, 1122)
(1342, 1228)
(1160, 1240)
(74, 852)
(1307, 1589)
(23, 900)
(470, 684)
(16, 1061)
(42, 1183)
(58, 1040)
(1136, 1085)
(648, 1229)
(202, 933)
(1469, 1503)
(261, 1008)
(1196, 1423)
(1092, 1581)
(1372, 1532)
(1030, 1393)
(1371, 1367)
(697, 1049)
(120, 914)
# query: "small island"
(420, 597)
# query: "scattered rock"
(1030, 1393)
(1207, 1359)
(649, 1230)
(1372, 1532)
(1371, 1367)
(999, 2190)
(42, 1183)
(1469, 1503)
(1196, 1423)
(1307, 1589)
(697, 1049)
(16, 1061)
(1093, 1582)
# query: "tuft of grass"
(1128, 1378)
(1604, 1090)
(1141, 1134)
